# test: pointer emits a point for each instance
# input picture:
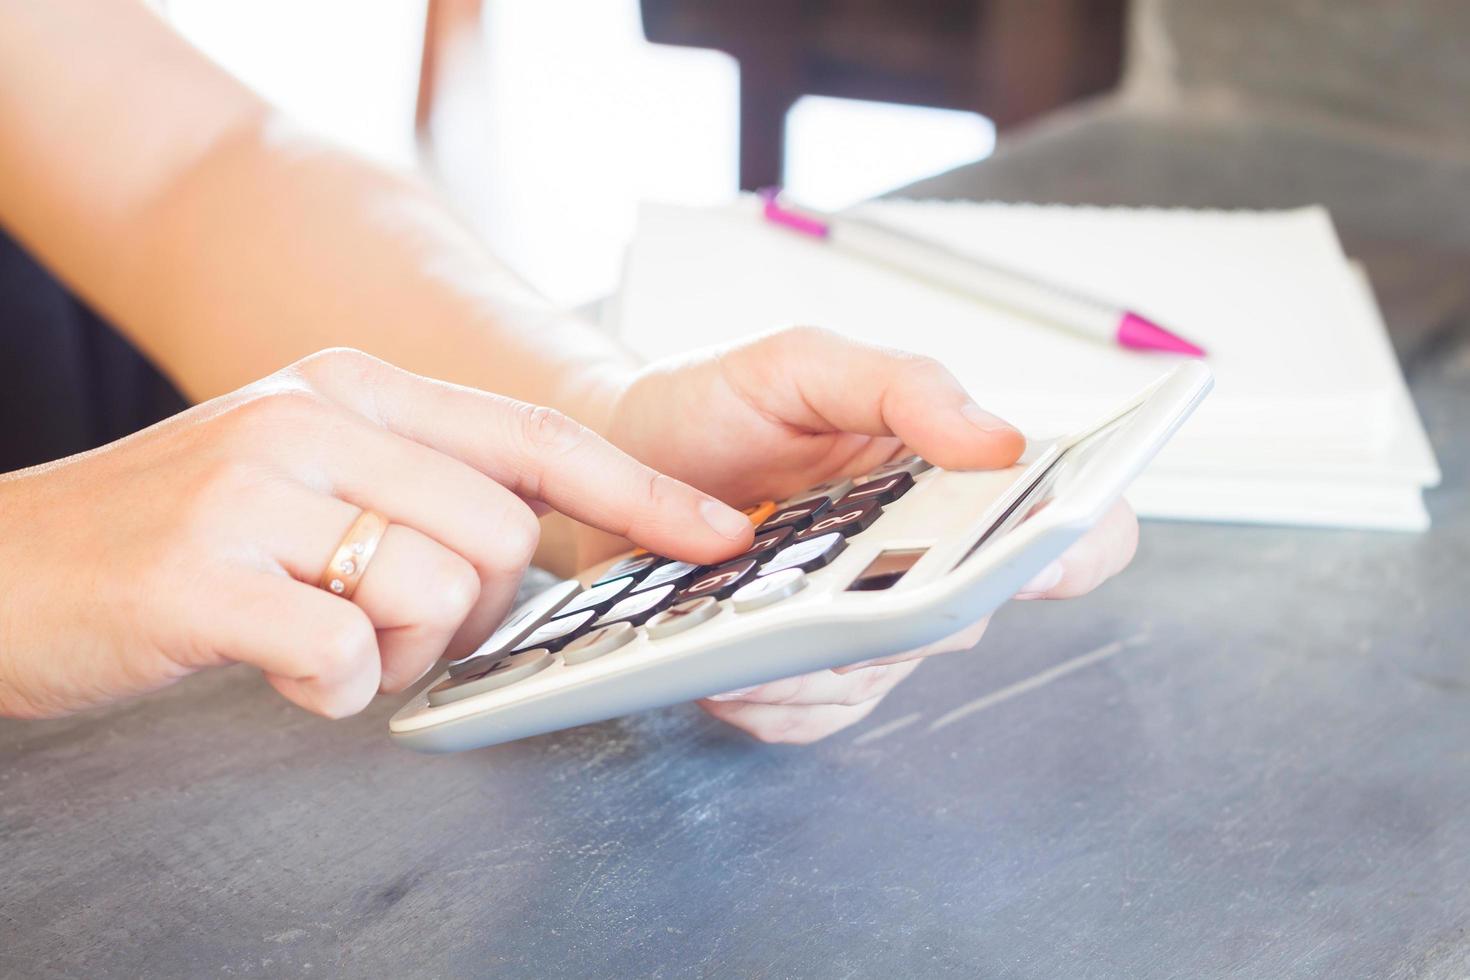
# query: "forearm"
(226, 245)
(276, 246)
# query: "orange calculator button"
(759, 512)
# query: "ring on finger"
(350, 560)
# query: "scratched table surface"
(1249, 756)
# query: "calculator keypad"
(796, 515)
(495, 675)
(671, 573)
(912, 465)
(664, 597)
(531, 614)
(638, 607)
(636, 565)
(833, 490)
(767, 542)
(720, 582)
(807, 555)
(686, 615)
(557, 633)
(883, 490)
(768, 590)
(599, 642)
(599, 596)
(847, 520)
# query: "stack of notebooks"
(1310, 421)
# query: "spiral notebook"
(1310, 421)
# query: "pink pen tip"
(1140, 334)
(789, 218)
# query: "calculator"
(847, 571)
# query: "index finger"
(822, 381)
(538, 453)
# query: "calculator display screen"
(884, 571)
(1045, 485)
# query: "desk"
(1264, 773)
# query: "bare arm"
(227, 244)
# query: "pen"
(1057, 305)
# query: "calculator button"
(490, 677)
(797, 515)
(677, 619)
(912, 465)
(629, 566)
(599, 596)
(675, 573)
(768, 589)
(529, 615)
(590, 646)
(639, 606)
(759, 512)
(849, 519)
(720, 582)
(807, 555)
(557, 633)
(768, 541)
(833, 490)
(885, 490)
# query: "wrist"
(589, 391)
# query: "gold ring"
(350, 560)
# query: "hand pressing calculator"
(848, 571)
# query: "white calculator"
(848, 571)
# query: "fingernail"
(983, 420)
(731, 695)
(726, 521)
(1042, 581)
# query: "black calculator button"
(797, 515)
(807, 555)
(490, 677)
(672, 573)
(833, 490)
(636, 565)
(600, 596)
(885, 490)
(557, 633)
(599, 642)
(685, 615)
(526, 617)
(720, 582)
(639, 606)
(846, 520)
(768, 589)
(768, 541)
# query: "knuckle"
(548, 431)
(661, 487)
(343, 363)
(456, 587)
(870, 684)
(805, 336)
(217, 489)
(276, 407)
(922, 370)
(345, 645)
(516, 541)
(771, 733)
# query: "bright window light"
(842, 151)
(346, 70)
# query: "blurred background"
(546, 121)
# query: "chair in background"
(1009, 60)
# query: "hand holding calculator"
(841, 573)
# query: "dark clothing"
(68, 380)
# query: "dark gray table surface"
(1249, 756)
